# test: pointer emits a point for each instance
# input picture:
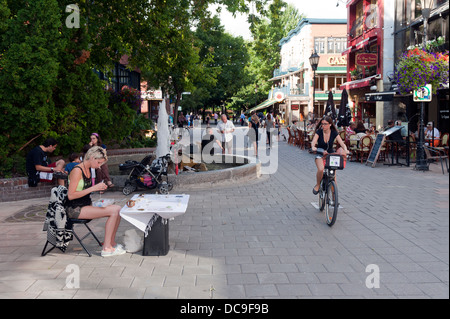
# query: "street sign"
(423, 94)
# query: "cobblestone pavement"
(261, 239)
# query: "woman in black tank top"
(80, 189)
(324, 138)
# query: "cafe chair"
(412, 147)
(342, 135)
(301, 139)
(434, 154)
(298, 141)
(291, 137)
(353, 146)
(444, 144)
(365, 145)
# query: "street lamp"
(421, 163)
(314, 62)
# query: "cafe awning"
(263, 105)
(360, 83)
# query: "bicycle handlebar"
(319, 151)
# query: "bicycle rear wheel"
(331, 203)
(322, 196)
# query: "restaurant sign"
(152, 95)
(367, 59)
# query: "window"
(319, 45)
(336, 45)
(319, 83)
(335, 81)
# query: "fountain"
(226, 168)
(163, 146)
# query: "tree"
(28, 74)
(229, 57)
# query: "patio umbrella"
(330, 110)
(344, 110)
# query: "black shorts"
(73, 212)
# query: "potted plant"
(416, 68)
(354, 74)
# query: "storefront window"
(335, 81)
(319, 83)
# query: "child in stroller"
(147, 176)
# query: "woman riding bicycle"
(324, 138)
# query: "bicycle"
(328, 191)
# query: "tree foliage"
(48, 86)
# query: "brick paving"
(261, 239)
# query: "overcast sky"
(312, 9)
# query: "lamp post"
(314, 61)
(421, 163)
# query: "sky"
(312, 9)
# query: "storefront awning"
(263, 105)
(360, 83)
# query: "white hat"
(430, 123)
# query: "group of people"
(225, 129)
(79, 173)
(188, 119)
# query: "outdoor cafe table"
(152, 211)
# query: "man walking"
(226, 128)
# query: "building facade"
(293, 81)
(370, 59)
(409, 31)
(379, 31)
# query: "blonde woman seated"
(80, 204)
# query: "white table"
(147, 205)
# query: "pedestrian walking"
(226, 128)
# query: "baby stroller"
(146, 175)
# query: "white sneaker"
(115, 252)
(119, 246)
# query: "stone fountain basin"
(243, 168)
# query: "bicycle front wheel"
(331, 203)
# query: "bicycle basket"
(335, 161)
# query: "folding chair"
(71, 223)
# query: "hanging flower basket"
(416, 68)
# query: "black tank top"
(86, 199)
(328, 146)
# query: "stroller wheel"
(164, 188)
(128, 189)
